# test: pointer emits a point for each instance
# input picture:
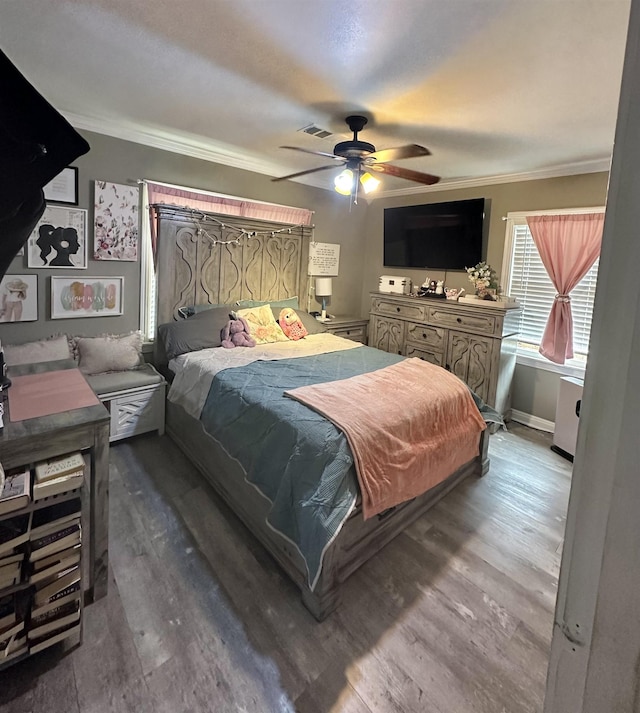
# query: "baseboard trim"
(541, 424)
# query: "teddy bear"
(291, 324)
(236, 334)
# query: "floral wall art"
(116, 221)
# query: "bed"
(241, 417)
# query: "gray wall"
(534, 390)
(124, 162)
(358, 231)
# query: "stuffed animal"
(291, 324)
(236, 334)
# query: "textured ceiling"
(491, 87)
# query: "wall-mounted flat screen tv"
(443, 236)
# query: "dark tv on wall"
(443, 236)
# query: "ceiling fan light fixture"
(369, 183)
(343, 182)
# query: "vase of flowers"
(485, 280)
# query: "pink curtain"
(212, 203)
(568, 246)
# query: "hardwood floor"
(454, 615)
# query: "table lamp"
(323, 289)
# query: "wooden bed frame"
(191, 270)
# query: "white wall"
(595, 655)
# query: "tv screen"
(443, 236)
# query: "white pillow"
(97, 355)
(262, 324)
(51, 349)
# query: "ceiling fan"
(360, 157)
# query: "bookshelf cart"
(23, 592)
(24, 443)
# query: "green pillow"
(276, 304)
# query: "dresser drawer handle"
(397, 309)
(348, 331)
(459, 320)
(424, 336)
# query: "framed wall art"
(19, 298)
(86, 297)
(116, 221)
(59, 239)
(64, 187)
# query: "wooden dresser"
(475, 342)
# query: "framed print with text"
(64, 187)
(86, 297)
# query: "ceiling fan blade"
(400, 152)
(416, 176)
(302, 173)
(315, 153)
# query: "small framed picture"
(64, 187)
(59, 239)
(86, 297)
(19, 298)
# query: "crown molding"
(233, 157)
(568, 169)
(186, 146)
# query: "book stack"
(55, 564)
(16, 490)
(14, 532)
(58, 475)
(13, 641)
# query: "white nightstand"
(354, 328)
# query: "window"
(525, 278)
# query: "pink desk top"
(48, 393)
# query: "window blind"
(530, 284)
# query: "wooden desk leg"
(99, 514)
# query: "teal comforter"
(296, 458)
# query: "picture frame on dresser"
(98, 296)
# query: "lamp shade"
(323, 286)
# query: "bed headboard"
(193, 269)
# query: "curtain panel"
(568, 246)
(222, 205)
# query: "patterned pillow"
(262, 324)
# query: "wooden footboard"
(357, 541)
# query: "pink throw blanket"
(409, 425)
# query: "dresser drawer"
(433, 357)
(482, 323)
(390, 308)
(423, 334)
(355, 334)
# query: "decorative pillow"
(311, 324)
(97, 355)
(291, 324)
(202, 331)
(51, 349)
(276, 304)
(262, 324)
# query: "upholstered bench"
(132, 391)
(134, 398)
